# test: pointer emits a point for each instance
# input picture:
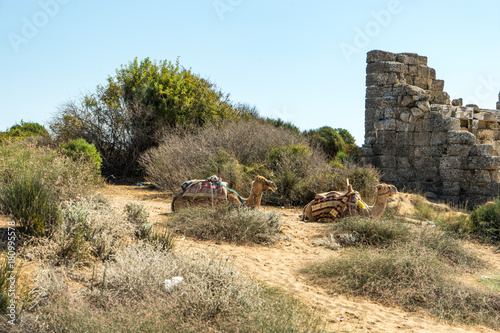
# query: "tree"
(328, 139)
(128, 115)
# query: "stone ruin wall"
(421, 140)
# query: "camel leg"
(307, 213)
(177, 203)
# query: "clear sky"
(301, 61)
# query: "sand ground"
(278, 265)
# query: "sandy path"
(278, 266)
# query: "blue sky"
(301, 61)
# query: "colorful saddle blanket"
(335, 205)
(204, 188)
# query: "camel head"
(261, 185)
(386, 190)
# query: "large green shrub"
(485, 221)
(81, 149)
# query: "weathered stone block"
(407, 58)
(378, 55)
(481, 176)
(451, 188)
(422, 138)
(403, 175)
(389, 175)
(385, 67)
(383, 79)
(413, 70)
(444, 124)
(441, 98)
(425, 164)
(423, 71)
(385, 161)
(483, 162)
(451, 162)
(451, 175)
(402, 126)
(380, 103)
(417, 113)
(421, 82)
(386, 138)
(385, 125)
(422, 60)
(457, 150)
(432, 74)
(423, 105)
(403, 162)
(481, 150)
(438, 85)
(439, 138)
(461, 137)
(495, 176)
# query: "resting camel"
(354, 204)
(259, 186)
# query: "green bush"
(24, 130)
(328, 139)
(485, 222)
(33, 204)
(81, 149)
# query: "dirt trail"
(278, 265)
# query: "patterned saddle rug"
(335, 205)
(210, 188)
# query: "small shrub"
(81, 149)
(138, 216)
(32, 203)
(449, 249)
(225, 223)
(91, 227)
(374, 232)
(485, 222)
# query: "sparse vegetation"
(397, 264)
(225, 223)
(129, 294)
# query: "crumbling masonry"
(422, 141)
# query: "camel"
(353, 204)
(259, 186)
